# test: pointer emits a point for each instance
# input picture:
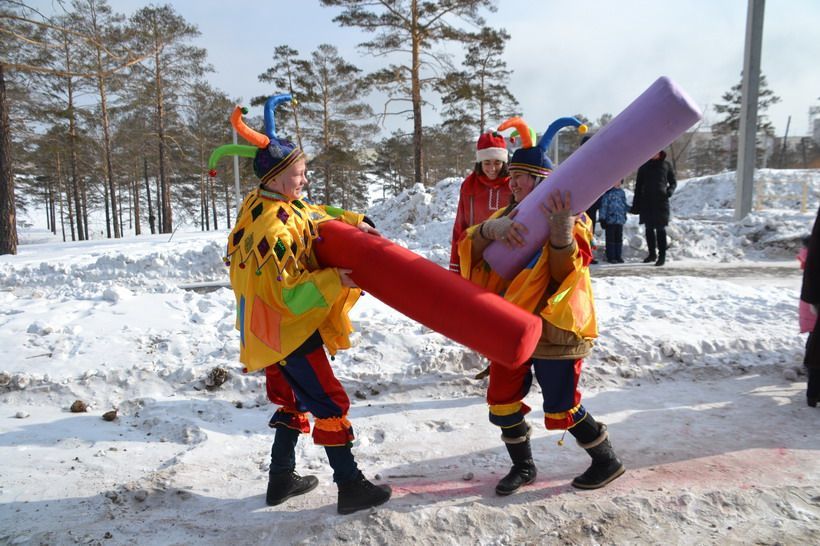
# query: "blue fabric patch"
(535, 259)
(506, 421)
(242, 320)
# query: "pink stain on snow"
(475, 487)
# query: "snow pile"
(697, 372)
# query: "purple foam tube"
(650, 123)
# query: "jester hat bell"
(532, 159)
(271, 155)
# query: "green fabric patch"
(279, 248)
(303, 298)
(560, 295)
(334, 211)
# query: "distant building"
(814, 123)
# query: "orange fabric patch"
(332, 424)
(332, 431)
(265, 324)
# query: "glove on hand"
(561, 228)
(496, 228)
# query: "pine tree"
(707, 156)
(207, 111)
(8, 213)
(283, 75)
(410, 27)
(392, 163)
(337, 123)
(479, 94)
(730, 108)
(164, 33)
(105, 50)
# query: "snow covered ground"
(697, 372)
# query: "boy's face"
(521, 184)
(291, 182)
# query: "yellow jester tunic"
(570, 307)
(282, 294)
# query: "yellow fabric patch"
(280, 278)
(502, 410)
(571, 308)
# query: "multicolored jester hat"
(411, 284)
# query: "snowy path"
(708, 462)
(691, 268)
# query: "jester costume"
(566, 307)
(288, 310)
(556, 286)
(288, 307)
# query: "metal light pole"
(748, 109)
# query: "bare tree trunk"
(151, 218)
(82, 229)
(68, 198)
(8, 211)
(84, 190)
(109, 171)
(203, 207)
(119, 208)
(136, 190)
(227, 206)
(130, 204)
(158, 205)
(482, 115)
(60, 194)
(107, 212)
(47, 200)
(165, 186)
(204, 222)
(52, 207)
(210, 182)
(112, 195)
(415, 90)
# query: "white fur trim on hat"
(491, 153)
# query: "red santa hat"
(491, 145)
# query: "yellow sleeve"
(572, 306)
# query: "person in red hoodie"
(486, 190)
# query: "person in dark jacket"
(810, 293)
(654, 185)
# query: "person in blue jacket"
(612, 217)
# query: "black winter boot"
(523, 470)
(661, 258)
(360, 493)
(285, 485)
(649, 259)
(605, 465)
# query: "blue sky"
(568, 56)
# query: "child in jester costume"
(556, 286)
(289, 309)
